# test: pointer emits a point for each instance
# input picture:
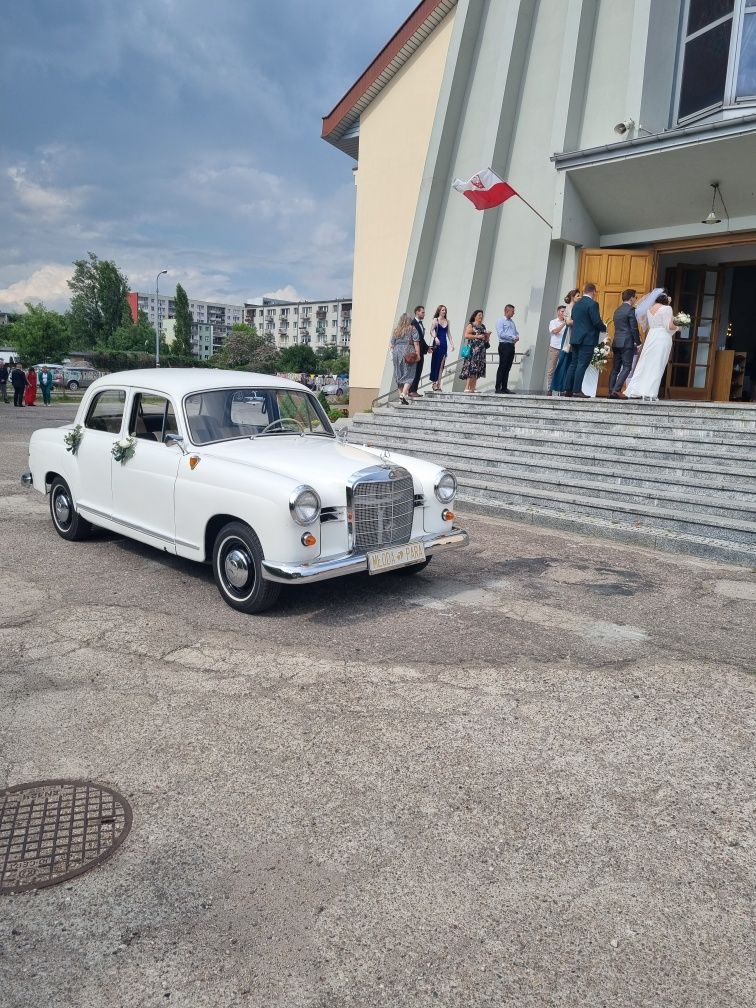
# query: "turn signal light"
(193, 461)
(447, 515)
(308, 539)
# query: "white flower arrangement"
(72, 440)
(682, 319)
(601, 355)
(123, 449)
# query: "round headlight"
(446, 487)
(304, 505)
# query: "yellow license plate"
(396, 556)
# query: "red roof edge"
(379, 64)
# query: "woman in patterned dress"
(404, 341)
(477, 337)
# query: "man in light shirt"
(557, 329)
(508, 335)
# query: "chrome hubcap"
(236, 566)
(62, 508)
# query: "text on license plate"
(396, 556)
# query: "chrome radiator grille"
(383, 510)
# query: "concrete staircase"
(667, 475)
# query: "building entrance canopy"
(658, 188)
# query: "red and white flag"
(485, 190)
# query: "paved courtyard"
(524, 777)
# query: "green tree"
(327, 353)
(245, 350)
(128, 336)
(99, 297)
(299, 359)
(40, 335)
(182, 332)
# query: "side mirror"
(177, 440)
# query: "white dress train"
(653, 359)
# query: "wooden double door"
(694, 289)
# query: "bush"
(335, 413)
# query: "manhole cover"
(52, 830)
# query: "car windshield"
(224, 414)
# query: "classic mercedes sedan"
(242, 471)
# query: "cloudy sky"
(180, 134)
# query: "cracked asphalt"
(523, 777)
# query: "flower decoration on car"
(682, 319)
(123, 449)
(601, 355)
(72, 440)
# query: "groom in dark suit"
(625, 344)
(584, 337)
(417, 322)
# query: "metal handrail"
(449, 375)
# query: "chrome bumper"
(352, 563)
(27, 479)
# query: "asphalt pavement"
(523, 777)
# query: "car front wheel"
(73, 385)
(67, 521)
(237, 569)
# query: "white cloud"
(44, 200)
(287, 293)
(48, 284)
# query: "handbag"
(411, 357)
(466, 351)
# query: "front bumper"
(352, 563)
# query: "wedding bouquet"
(601, 355)
(682, 319)
(72, 440)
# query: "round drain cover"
(52, 830)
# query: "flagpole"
(534, 210)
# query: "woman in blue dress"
(563, 361)
(441, 341)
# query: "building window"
(718, 55)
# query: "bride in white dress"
(657, 347)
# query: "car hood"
(315, 460)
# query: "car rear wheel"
(237, 569)
(73, 385)
(67, 521)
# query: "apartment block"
(310, 323)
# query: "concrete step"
(725, 458)
(717, 431)
(624, 531)
(657, 494)
(676, 411)
(563, 468)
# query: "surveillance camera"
(624, 127)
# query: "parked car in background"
(243, 472)
(335, 388)
(74, 378)
(57, 372)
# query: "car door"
(144, 485)
(93, 459)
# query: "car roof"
(183, 381)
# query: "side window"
(106, 411)
(152, 417)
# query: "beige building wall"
(394, 135)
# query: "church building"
(628, 126)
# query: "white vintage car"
(243, 471)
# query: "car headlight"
(304, 505)
(446, 487)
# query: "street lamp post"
(157, 317)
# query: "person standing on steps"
(440, 341)
(584, 336)
(419, 325)
(563, 361)
(625, 343)
(557, 332)
(508, 335)
(477, 339)
(404, 353)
